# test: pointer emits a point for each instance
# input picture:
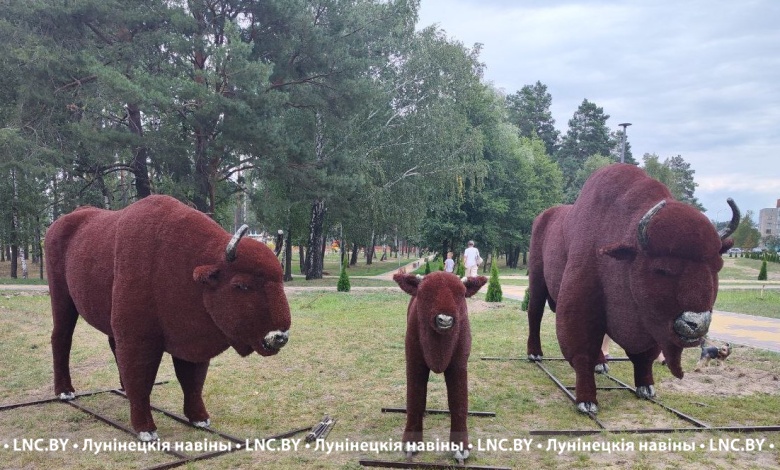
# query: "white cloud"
(740, 182)
(696, 78)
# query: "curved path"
(757, 332)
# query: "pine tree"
(526, 299)
(460, 269)
(494, 293)
(343, 285)
(762, 273)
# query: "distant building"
(769, 221)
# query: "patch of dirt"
(725, 380)
(477, 306)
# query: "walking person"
(449, 263)
(471, 259)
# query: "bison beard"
(160, 277)
(628, 260)
(438, 339)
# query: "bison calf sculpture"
(628, 260)
(159, 277)
(438, 339)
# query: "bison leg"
(64, 316)
(643, 372)
(456, 377)
(580, 345)
(191, 376)
(537, 298)
(112, 345)
(138, 361)
(416, 396)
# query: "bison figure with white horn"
(157, 277)
(626, 260)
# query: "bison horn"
(734, 220)
(230, 251)
(645, 221)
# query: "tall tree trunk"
(512, 256)
(108, 197)
(355, 251)
(204, 191)
(288, 257)
(143, 187)
(302, 258)
(14, 224)
(315, 257)
(370, 249)
(39, 245)
(14, 261)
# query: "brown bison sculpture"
(158, 277)
(438, 339)
(628, 260)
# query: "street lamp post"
(623, 151)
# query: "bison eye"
(663, 272)
(241, 286)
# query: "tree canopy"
(326, 119)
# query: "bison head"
(244, 295)
(438, 322)
(440, 298)
(673, 277)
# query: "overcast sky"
(696, 78)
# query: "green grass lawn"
(763, 303)
(346, 359)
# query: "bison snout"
(275, 340)
(692, 326)
(444, 322)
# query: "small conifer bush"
(494, 293)
(762, 273)
(343, 285)
(526, 299)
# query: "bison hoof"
(66, 396)
(202, 424)
(461, 456)
(144, 436)
(535, 357)
(587, 407)
(601, 368)
(411, 450)
(645, 391)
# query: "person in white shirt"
(471, 259)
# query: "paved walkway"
(748, 330)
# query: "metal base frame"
(321, 428)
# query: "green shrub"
(526, 299)
(343, 285)
(494, 293)
(762, 273)
(427, 267)
(460, 269)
